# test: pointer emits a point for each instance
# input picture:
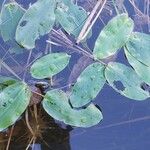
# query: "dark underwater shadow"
(49, 135)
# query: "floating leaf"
(70, 16)
(114, 35)
(37, 21)
(125, 81)
(6, 81)
(49, 65)
(88, 85)
(10, 16)
(56, 105)
(141, 69)
(139, 47)
(13, 101)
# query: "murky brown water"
(47, 133)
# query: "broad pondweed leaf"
(14, 99)
(114, 35)
(70, 16)
(56, 105)
(6, 81)
(49, 65)
(37, 21)
(88, 85)
(141, 69)
(10, 15)
(139, 47)
(125, 81)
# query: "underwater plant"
(75, 107)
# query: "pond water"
(126, 123)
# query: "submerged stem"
(32, 139)
(59, 38)
(9, 69)
(27, 122)
(28, 61)
(9, 140)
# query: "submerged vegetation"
(65, 23)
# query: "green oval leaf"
(37, 21)
(6, 81)
(114, 35)
(141, 69)
(139, 47)
(70, 16)
(10, 15)
(125, 81)
(13, 101)
(49, 65)
(88, 85)
(56, 105)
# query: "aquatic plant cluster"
(23, 27)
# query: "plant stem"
(28, 61)
(35, 112)
(59, 38)
(10, 70)
(89, 23)
(9, 140)
(115, 7)
(27, 122)
(32, 139)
